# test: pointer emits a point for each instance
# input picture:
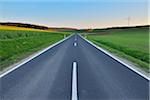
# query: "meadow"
(18, 44)
(132, 44)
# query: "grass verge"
(15, 45)
(137, 62)
(131, 44)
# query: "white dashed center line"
(74, 82)
(75, 44)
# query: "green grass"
(132, 44)
(15, 45)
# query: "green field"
(132, 44)
(15, 44)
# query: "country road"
(49, 76)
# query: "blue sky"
(77, 14)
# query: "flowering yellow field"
(21, 28)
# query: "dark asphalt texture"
(49, 76)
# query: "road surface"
(49, 76)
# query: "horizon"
(80, 28)
(80, 15)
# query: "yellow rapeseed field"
(2, 27)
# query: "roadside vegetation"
(18, 44)
(129, 43)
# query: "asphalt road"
(49, 76)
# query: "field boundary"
(24, 61)
(117, 59)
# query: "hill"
(33, 26)
(100, 30)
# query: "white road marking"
(75, 39)
(74, 82)
(75, 44)
(32, 57)
(123, 63)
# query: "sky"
(75, 13)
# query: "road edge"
(32, 56)
(115, 58)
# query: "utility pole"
(129, 20)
